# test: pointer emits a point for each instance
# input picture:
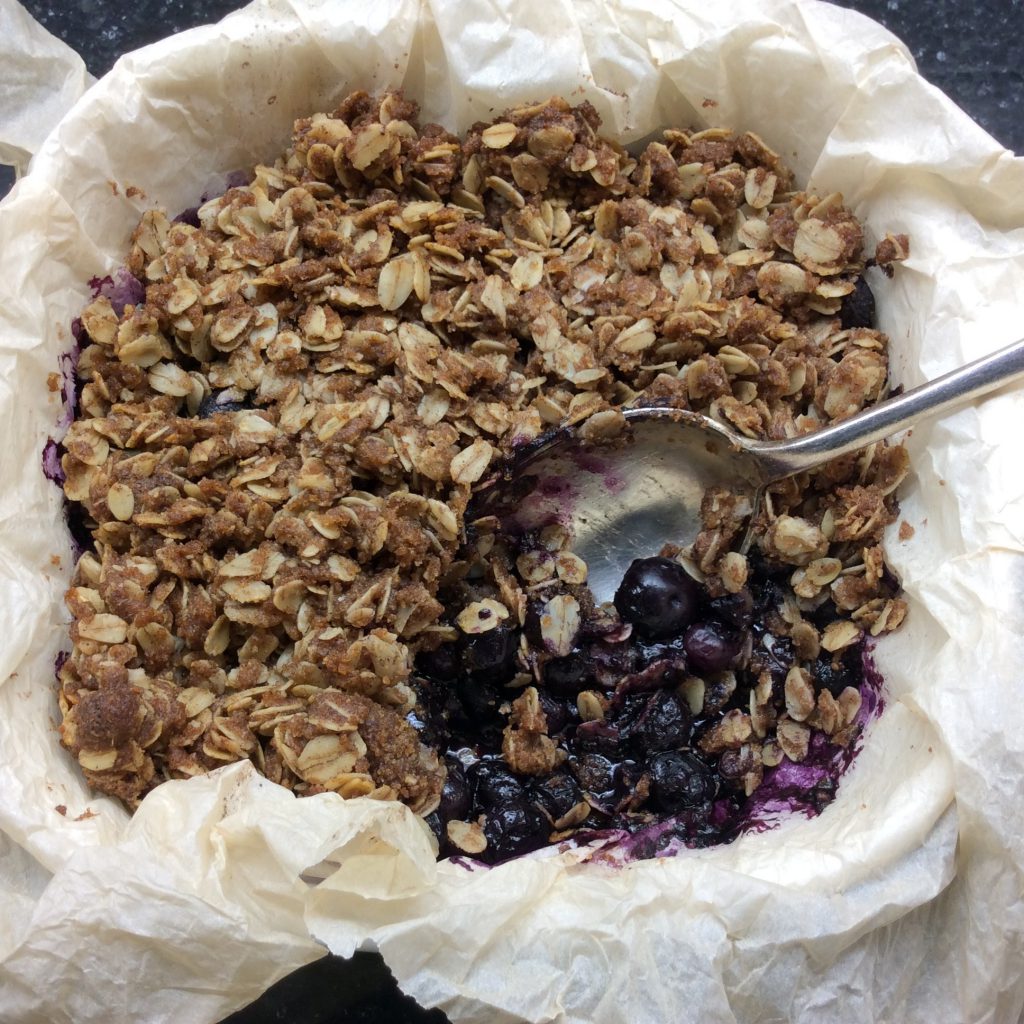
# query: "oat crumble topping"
(276, 450)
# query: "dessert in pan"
(292, 394)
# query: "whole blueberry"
(679, 779)
(557, 793)
(456, 798)
(512, 829)
(663, 724)
(858, 308)
(598, 738)
(711, 646)
(491, 655)
(565, 677)
(494, 784)
(658, 597)
(557, 712)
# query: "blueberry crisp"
(280, 436)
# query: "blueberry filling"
(648, 729)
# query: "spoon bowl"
(626, 499)
(623, 500)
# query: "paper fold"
(42, 79)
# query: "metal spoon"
(626, 500)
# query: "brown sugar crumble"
(276, 449)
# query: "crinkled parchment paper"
(902, 902)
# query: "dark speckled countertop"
(972, 49)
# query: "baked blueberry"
(557, 712)
(190, 216)
(711, 646)
(657, 675)
(608, 663)
(627, 777)
(599, 738)
(823, 793)
(658, 597)
(456, 798)
(663, 724)
(858, 308)
(479, 700)
(735, 764)
(514, 828)
(736, 609)
(565, 677)
(436, 826)
(493, 784)
(767, 593)
(491, 655)
(666, 650)
(679, 779)
(835, 672)
(774, 653)
(557, 794)
(595, 773)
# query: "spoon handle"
(946, 393)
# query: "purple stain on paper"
(236, 179)
(122, 288)
(52, 469)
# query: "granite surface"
(972, 49)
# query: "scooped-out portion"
(283, 419)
